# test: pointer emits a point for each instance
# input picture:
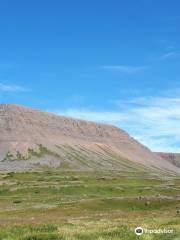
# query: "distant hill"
(173, 158)
(31, 138)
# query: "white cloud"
(154, 121)
(106, 117)
(169, 55)
(11, 88)
(124, 68)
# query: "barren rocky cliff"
(31, 138)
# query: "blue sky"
(108, 61)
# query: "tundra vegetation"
(56, 204)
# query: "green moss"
(19, 156)
(41, 151)
(8, 157)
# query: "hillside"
(31, 138)
(173, 158)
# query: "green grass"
(39, 152)
(52, 204)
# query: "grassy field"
(50, 205)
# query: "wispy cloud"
(97, 116)
(154, 121)
(11, 88)
(169, 55)
(124, 68)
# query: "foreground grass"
(49, 205)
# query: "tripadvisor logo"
(139, 231)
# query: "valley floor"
(56, 205)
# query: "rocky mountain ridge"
(30, 137)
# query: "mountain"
(173, 158)
(31, 138)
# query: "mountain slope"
(173, 158)
(29, 137)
